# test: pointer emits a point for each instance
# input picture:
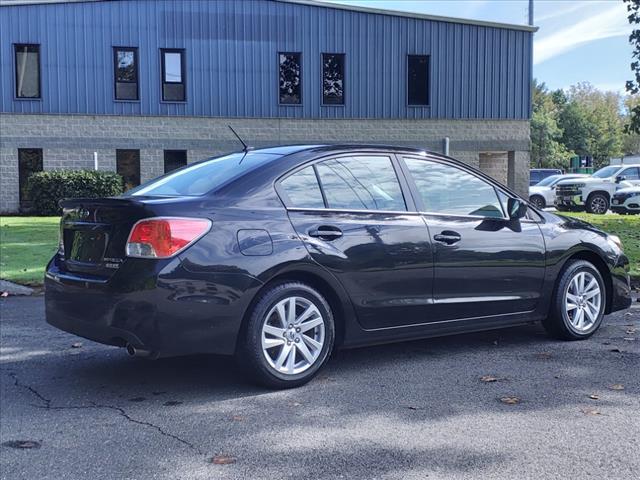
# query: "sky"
(578, 40)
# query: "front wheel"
(597, 203)
(288, 337)
(578, 303)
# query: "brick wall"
(68, 141)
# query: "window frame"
(117, 49)
(344, 79)
(417, 197)
(183, 73)
(428, 57)
(301, 103)
(15, 68)
(400, 175)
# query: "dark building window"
(126, 73)
(27, 71)
(418, 79)
(29, 161)
(174, 159)
(333, 78)
(290, 78)
(173, 75)
(128, 166)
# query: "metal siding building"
(477, 72)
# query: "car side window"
(303, 190)
(363, 182)
(449, 190)
(631, 173)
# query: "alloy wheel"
(583, 299)
(599, 205)
(293, 335)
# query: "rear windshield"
(201, 177)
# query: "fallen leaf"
(223, 460)
(237, 418)
(590, 411)
(495, 342)
(630, 331)
(616, 386)
(488, 378)
(76, 345)
(543, 355)
(4, 294)
(593, 396)
(24, 444)
(510, 400)
(295, 404)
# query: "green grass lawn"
(26, 245)
(627, 227)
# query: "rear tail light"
(164, 237)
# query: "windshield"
(201, 177)
(548, 181)
(606, 172)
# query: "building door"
(29, 162)
(128, 166)
(174, 159)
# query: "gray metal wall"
(231, 49)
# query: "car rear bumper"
(160, 315)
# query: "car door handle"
(447, 237)
(326, 232)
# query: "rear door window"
(366, 182)
(303, 190)
(448, 190)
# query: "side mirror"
(516, 208)
(620, 178)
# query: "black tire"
(250, 354)
(558, 324)
(538, 201)
(562, 208)
(597, 203)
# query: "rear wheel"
(578, 302)
(538, 201)
(597, 203)
(289, 336)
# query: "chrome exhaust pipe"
(138, 352)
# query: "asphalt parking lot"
(406, 411)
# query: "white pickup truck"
(594, 193)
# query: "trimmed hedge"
(46, 189)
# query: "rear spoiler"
(102, 202)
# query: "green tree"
(633, 86)
(592, 124)
(546, 148)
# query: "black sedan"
(280, 255)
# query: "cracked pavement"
(413, 410)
